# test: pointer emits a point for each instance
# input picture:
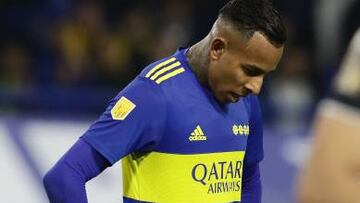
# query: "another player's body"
(188, 128)
(331, 174)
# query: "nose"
(254, 84)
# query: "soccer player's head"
(245, 43)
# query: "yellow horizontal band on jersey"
(160, 65)
(169, 75)
(177, 178)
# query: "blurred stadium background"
(62, 60)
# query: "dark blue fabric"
(251, 191)
(139, 131)
(254, 148)
(143, 129)
(65, 182)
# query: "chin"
(220, 99)
(223, 99)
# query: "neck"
(199, 60)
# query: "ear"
(218, 46)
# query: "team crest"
(122, 109)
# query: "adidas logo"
(197, 134)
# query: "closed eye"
(252, 71)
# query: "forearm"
(65, 182)
(251, 188)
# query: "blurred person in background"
(332, 172)
(15, 62)
(78, 39)
(189, 126)
(290, 92)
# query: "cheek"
(216, 78)
(234, 76)
(223, 80)
(213, 77)
(231, 72)
(239, 77)
(224, 75)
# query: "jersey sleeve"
(254, 149)
(133, 121)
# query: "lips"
(234, 97)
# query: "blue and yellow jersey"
(176, 142)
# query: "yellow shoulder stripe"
(170, 75)
(164, 63)
(164, 70)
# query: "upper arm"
(132, 122)
(254, 148)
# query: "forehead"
(256, 51)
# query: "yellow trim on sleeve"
(164, 63)
(174, 65)
(169, 75)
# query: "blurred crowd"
(101, 45)
(87, 43)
